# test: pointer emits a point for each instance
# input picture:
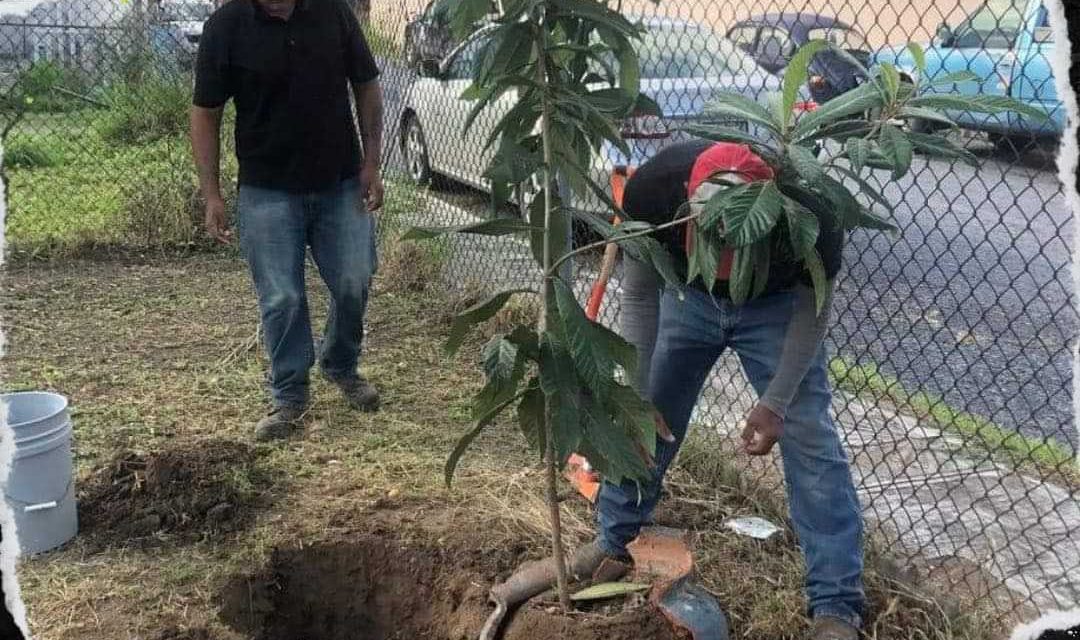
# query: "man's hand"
(763, 429)
(371, 188)
(217, 221)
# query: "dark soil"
(372, 588)
(200, 488)
(175, 633)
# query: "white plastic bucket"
(40, 486)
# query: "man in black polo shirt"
(288, 66)
(778, 339)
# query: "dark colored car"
(428, 35)
(772, 40)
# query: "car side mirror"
(429, 68)
(945, 35)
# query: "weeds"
(153, 110)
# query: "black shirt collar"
(256, 9)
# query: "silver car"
(683, 65)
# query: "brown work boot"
(280, 424)
(359, 393)
(830, 628)
(591, 562)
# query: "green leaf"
(618, 458)
(742, 273)
(909, 113)
(803, 226)
(843, 203)
(562, 389)
(841, 131)
(795, 76)
(939, 147)
(752, 215)
(762, 257)
(896, 146)
(988, 104)
(918, 55)
(956, 77)
(890, 80)
(629, 72)
(866, 188)
(608, 590)
(857, 151)
(464, 14)
(591, 358)
(866, 219)
(636, 415)
(805, 162)
(857, 101)
(812, 259)
(705, 259)
(467, 439)
(504, 367)
(474, 315)
(729, 134)
(530, 414)
(493, 227)
(736, 106)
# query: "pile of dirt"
(200, 488)
(176, 633)
(372, 588)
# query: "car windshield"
(690, 52)
(845, 38)
(994, 26)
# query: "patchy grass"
(1047, 456)
(162, 356)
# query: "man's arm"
(803, 338)
(369, 108)
(206, 147)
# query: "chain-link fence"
(950, 344)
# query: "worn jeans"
(276, 228)
(823, 504)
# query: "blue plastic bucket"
(40, 487)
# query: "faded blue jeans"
(276, 228)
(824, 507)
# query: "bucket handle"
(42, 506)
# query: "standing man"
(778, 338)
(288, 65)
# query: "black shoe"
(359, 393)
(280, 424)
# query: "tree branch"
(635, 234)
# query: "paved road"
(972, 302)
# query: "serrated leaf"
(493, 227)
(866, 219)
(615, 455)
(530, 414)
(704, 259)
(733, 105)
(636, 414)
(890, 81)
(795, 76)
(939, 147)
(803, 226)
(812, 260)
(608, 590)
(866, 188)
(504, 368)
(467, 439)
(955, 77)
(751, 216)
(728, 134)
(844, 204)
(742, 273)
(842, 130)
(762, 257)
(988, 104)
(562, 389)
(857, 151)
(908, 112)
(591, 359)
(898, 148)
(859, 100)
(918, 55)
(805, 162)
(474, 315)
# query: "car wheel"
(414, 149)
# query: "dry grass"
(163, 356)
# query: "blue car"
(1007, 44)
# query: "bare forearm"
(206, 148)
(369, 107)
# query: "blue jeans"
(276, 228)
(824, 508)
